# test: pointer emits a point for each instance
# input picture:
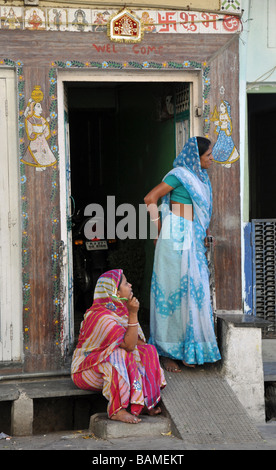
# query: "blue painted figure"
(224, 150)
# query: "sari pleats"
(124, 381)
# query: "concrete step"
(153, 426)
(204, 409)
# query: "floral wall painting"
(224, 150)
(37, 128)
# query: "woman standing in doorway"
(181, 322)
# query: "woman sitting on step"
(112, 355)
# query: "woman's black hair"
(203, 145)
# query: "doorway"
(131, 124)
(262, 204)
(261, 149)
(122, 143)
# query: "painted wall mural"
(96, 20)
(37, 128)
(224, 150)
(56, 248)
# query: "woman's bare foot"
(170, 365)
(188, 365)
(152, 412)
(125, 417)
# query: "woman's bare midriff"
(182, 210)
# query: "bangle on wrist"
(154, 220)
(133, 324)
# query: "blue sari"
(181, 318)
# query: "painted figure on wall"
(37, 128)
(224, 150)
(80, 23)
(148, 22)
(100, 21)
(35, 19)
(10, 20)
(57, 19)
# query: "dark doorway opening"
(262, 154)
(122, 143)
(262, 170)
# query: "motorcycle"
(90, 256)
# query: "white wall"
(261, 54)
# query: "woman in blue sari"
(181, 318)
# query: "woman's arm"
(151, 200)
(131, 335)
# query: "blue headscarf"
(189, 158)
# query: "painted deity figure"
(37, 128)
(148, 22)
(80, 22)
(35, 21)
(100, 21)
(126, 27)
(224, 150)
(11, 21)
(57, 19)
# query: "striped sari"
(125, 378)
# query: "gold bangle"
(154, 220)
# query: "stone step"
(153, 426)
(204, 409)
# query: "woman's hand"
(133, 305)
(131, 335)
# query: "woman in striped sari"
(112, 355)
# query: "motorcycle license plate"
(96, 245)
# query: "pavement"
(132, 446)
(85, 440)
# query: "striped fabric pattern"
(125, 378)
